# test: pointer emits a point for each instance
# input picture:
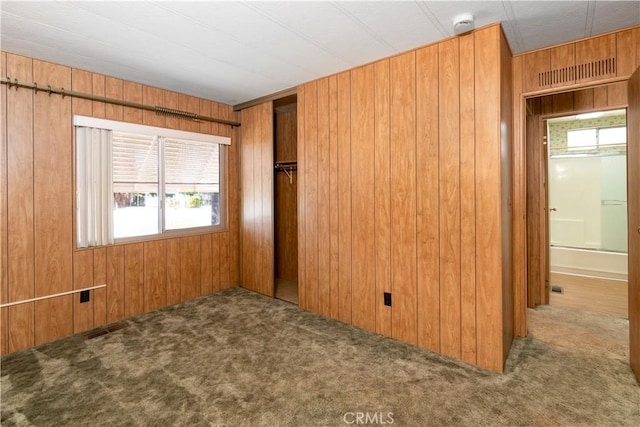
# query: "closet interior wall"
(286, 194)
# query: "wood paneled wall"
(257, 199)
(506, 144)
(412, 151)
(37, 252)
(622, 46)
(286, 196)
(577, 93)
(4, 272)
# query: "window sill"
(167, 235)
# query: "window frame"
(161, 133)
(597, 145)
(600, 144)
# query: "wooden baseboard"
(590, 294)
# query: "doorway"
(587, 211)
(624, 94)
(568, 228)
(285, 199)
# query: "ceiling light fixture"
(462, 23)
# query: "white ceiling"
(240, 50)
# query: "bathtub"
(588, 262)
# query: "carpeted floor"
(239, 359)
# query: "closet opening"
(285, 198)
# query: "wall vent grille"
(97, 332)
(603, 67)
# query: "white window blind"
(135, 182)
(191, 166)
(135, 163)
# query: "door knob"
(552, 209)
(638, 230)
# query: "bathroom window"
(612, 136)
(595, 138)
(579, 139)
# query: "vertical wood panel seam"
(330, 197)
(376, 297)
(166, 274)
(475, 188)
(388, 178)
(5, 219)
(33, 204)
(338, 162)
(124, 282)
(339, 205)
(439, 207)
(144, 278)
(350, 200)
(415, 178)
(460, 199)
(475, 210)
(263, 227)
(317, 207)
(73, 244)
(375, 199)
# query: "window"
(595, 138)
(192, 184)
(135, 185)
(612, 136)
(159, 181)
(579, 139)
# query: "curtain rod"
(157, 109)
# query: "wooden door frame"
(633, 208)
(520, 217)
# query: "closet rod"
(288, 168)
(286, 164)
(157, 109)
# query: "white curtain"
(94, 178)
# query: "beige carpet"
(240, 359)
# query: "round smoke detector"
(462, 23)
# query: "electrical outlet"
(387, 299)
(85, 296)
